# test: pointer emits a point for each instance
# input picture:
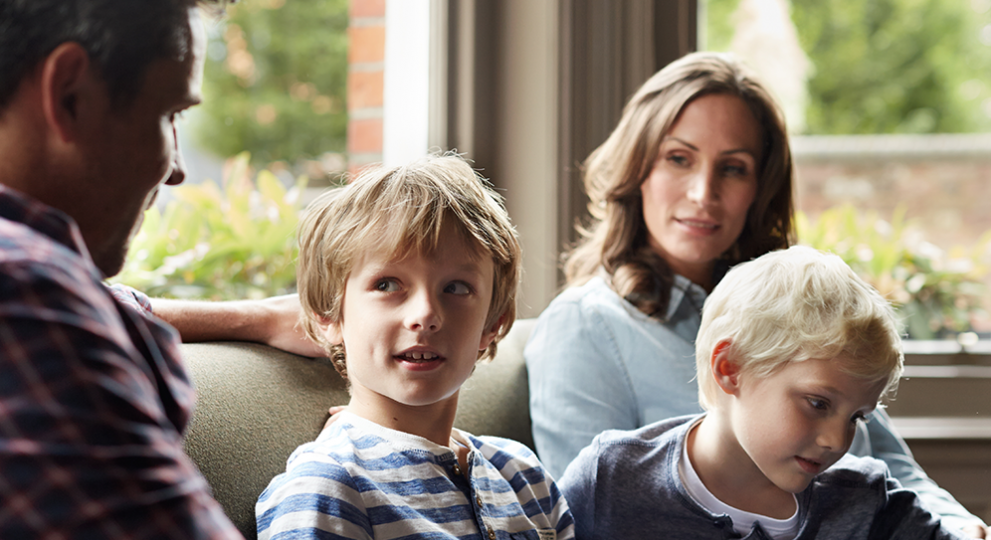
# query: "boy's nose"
(836, 436)
(422, 314)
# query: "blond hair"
(617, 238)
(794, 305)
(400, 210)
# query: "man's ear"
(67, 83)
(490, 334)
(725, 370)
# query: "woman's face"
(696, 198)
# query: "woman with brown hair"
(696, 177)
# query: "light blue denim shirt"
(596, 362)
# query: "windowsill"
(952, 428)
(946, 352)
(942, 393)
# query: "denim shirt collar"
(683, 290)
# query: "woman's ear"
(725, 370)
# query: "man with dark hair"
(93, 397)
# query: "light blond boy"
(793, 354)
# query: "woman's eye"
(735, 170)
(458, 288)
(387, 285)
(680, 161)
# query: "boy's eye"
(386, 285)
(458, 288)
(860, 418)
(818, 404)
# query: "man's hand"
(285, 331)
(272, 321)
(977, 530)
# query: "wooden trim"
(941, 428)
(532, 88)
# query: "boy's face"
(412, 328)
(800, 420)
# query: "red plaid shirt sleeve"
(93, 399)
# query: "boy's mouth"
(808, 465)
(418, 357)
(419, 361)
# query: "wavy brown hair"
(616, 239)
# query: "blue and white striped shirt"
(362, 480)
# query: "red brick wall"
(366, 66)
(943, 182)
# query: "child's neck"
(434, 422)
(730, 475)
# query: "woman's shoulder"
(595, 308)
(593, 296)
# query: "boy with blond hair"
(794, 351)
(408, 278)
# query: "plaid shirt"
(93, 398)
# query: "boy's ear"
(332, 330)
(725, 371)
(490, 334)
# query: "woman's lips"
(698, 226)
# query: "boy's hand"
(977, 530)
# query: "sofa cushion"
(257, 404)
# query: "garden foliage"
(226, 242)
(886, 66)
(935, 293)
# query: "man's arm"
(93, 403)
(272, 321)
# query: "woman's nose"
(701, 188)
